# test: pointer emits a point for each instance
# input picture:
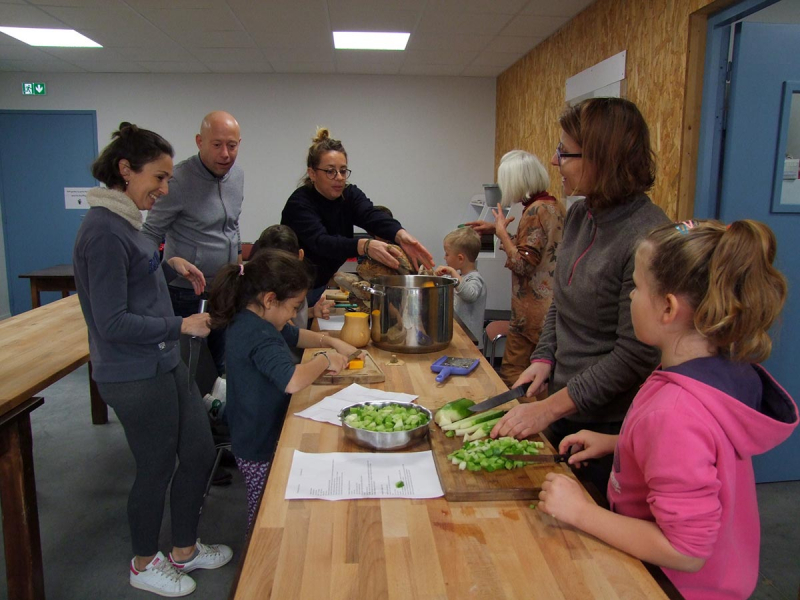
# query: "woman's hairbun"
(322, 135)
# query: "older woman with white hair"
(531, 253)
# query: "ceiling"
(478, 38)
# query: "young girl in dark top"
(255, 302)
(682, 489)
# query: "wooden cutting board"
(469, 486)
(371, 373)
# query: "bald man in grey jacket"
(199, 218)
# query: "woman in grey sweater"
(133, 344)
(587, 349)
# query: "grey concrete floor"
(84, 473)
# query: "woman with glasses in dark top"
(587, 350)
(324, 210)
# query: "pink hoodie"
(683, 460)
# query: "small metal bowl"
(385, 440)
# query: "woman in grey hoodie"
(587, 350)
(133, 345)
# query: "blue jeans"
(186, 303)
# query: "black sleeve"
(375, 222)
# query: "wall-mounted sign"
(75, 197)
(34, 89)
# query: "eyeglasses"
(332, 173)
(562, 155)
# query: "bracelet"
(366, 247)
(325, 354)
(321, 339)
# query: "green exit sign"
(34, 89)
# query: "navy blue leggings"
(162, 419)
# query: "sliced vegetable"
(487, 454)
(481, 430)
(390, 417)
(475, 419)
(453, 411)
(400, 484)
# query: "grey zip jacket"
(588, 333)
(199, 218)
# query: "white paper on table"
(334, 323)
(327, 410)
(349, 475)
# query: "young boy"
(461, 248)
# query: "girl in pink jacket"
(682, 490)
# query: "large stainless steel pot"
(412, 314)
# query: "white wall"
(419, 145)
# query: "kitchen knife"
(194, 348)
(354, 355)
(508, 396)
(541, 459)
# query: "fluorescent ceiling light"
(61, 38)
(369, 40)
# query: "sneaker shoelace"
(165, 569)
(208, 549)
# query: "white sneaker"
(209, 556)
(161, 578)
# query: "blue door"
(765, 56)
(41, 153)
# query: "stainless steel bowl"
(385, 440)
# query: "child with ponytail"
(682, 490)
(255, 302)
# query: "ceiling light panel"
(369, 40)
(54, 38)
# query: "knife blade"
(508, 396)
(194, 349)
(354, 355)
(538, 458)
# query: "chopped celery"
(487, 454)
(387, 418)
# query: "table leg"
(36, 300)
(99, 407)
(23, 546)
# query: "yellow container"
(356, 329)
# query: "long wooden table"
(399, 548)
(38, 348)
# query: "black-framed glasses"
(332, 173)
(562, 155)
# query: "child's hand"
(322, 309)
(587, 444)
(338, 362)
(562, 498)
(449, 271)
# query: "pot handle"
(374, 291)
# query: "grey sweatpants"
(162, 419)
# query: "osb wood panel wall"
(530, 94)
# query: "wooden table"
(39, 347)
(398, 548)
(60, 278)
